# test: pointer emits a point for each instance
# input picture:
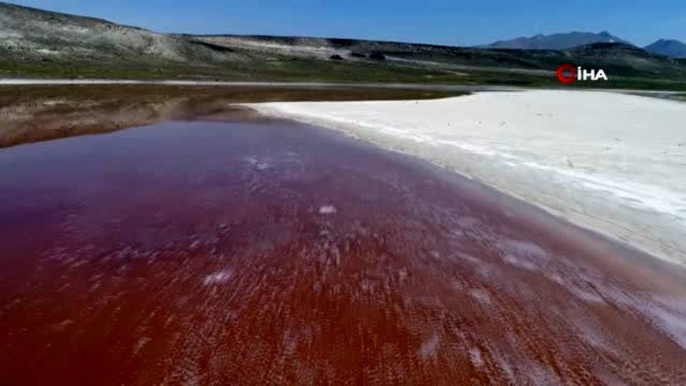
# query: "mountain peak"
(558, 41)
(668, 47)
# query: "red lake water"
(266, 252)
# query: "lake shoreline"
(502, 139)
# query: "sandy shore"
(614, 163)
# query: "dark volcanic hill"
(560, 41)
(668, 47)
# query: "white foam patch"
(141, 343)
(542, 375)
(475, 357)
(481, 295)
(220, 277)
(504, 365)
(327, 209)
(585, 295)
(257, 163)
(430, 347)
(518, 262)
(524, 248)
(522, 254)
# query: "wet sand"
(269, 252)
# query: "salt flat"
(611, 162)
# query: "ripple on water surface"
(253, 253)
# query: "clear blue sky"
(453, 22)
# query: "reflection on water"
(38, 113)
(270, 252)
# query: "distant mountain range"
(559, 41)
(565, 41)
(38, 43)
(671, 48)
